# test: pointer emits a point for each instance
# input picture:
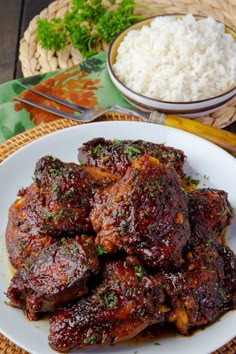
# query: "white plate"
(212, 165)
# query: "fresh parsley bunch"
(86, 24)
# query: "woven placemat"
(12, 145)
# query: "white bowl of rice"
(179, 64)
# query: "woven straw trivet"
(12, 145)
(36, 60)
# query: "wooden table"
(15, 16)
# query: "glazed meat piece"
(204, 288)
(66, 191)
(229, 259)
(145, 214)
(210, 213)
(198, 293)
(57, 203)
(125, 302)
(56, 277)
(25, 236)
(117, 155)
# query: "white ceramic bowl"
(191, 109)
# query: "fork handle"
(222, 138)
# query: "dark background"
(15, 16)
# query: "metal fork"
(89, 114)
(222, 138)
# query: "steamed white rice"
(178, 59)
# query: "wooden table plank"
(10, 19)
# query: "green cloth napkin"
(87, 84)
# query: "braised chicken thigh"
(197, 294)
(125, 302)
(205, 286)
(25, 234)
(210, 213)
(58, 275)
(145, 213)
(57, 204)
(66, 190)
(117, 155)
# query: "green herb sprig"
(86, 24)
